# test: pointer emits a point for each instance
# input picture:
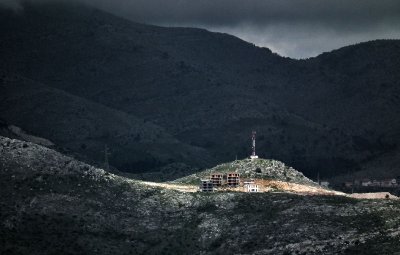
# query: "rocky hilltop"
(256, 169)
(268, 175)
(53, 204)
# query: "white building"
(250, 186)
(253, 156)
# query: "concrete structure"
(216, 179)
(233, 179)
(250, 186)
(206, 186)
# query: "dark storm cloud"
(260, 12)
(296, 28)
(12, 4)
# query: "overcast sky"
(293, 28)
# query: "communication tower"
(253, 147)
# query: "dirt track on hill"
(271, 185)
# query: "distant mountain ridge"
(204, 91)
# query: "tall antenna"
(253, 146)
(253, 138)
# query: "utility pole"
(106, 154)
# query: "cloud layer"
(294, 28)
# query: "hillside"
(268, 175)
(256, 169)
(84, 127)
(54, 204)
(205, 91)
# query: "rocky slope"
(12, 131)
(53, 204)
(208, 91)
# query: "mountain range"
(85, 79)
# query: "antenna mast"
(253, 138)
(253, 147)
